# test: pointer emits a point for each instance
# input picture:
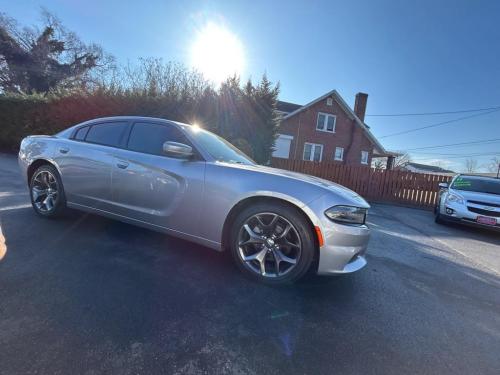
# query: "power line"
(450, 157)
(454, 154)
(488, 141)
(434, 113)
(439, 124)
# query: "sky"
(409, 56)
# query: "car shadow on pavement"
(86, 289)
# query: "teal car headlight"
(347, 214)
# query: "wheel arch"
(37, 164)
(245, 202)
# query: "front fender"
(288, 198)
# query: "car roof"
(128, 118)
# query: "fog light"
(449, 211)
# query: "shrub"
(243, 116)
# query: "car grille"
(485, 203)
(484, 212)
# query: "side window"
(108, 133)
(81, 133)
(149, 137)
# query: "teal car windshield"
(477, 184)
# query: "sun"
(217, 53)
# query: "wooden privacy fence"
(375, 185)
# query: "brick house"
(327, 129)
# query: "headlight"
(347, 214)
(453, 198)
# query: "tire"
(52, 202)
(272, 243)
(437, 217)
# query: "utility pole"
(498, 170)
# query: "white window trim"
(341, 155)
(313, 146)
(284, 136)
(367, 157)
(329, 102)
(325, 123)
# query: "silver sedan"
(190, 183)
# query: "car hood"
(477, 196)
(328, 186)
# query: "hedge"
(25, 115)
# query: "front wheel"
(272, 243)
(437, 208)
(437, 216)
(46, 192)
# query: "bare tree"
(154, 77)
(494, 166)
(43, 59)
(379, 163)
(471, 165)
(439, 164)
(402, 160)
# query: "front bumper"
(344, 249)
(344, 245)
(460, 214)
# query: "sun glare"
(217, 53)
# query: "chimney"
(360, 105)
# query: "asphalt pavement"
(88, 295)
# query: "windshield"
(217, 147)
(478, 184)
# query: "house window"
(329, 101)
(339, 153)
(325, 122)
(364, 157)
(313, 152)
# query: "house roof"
(287, 107)
(379, 149)
(430, 168)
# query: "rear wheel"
(272, 243)
(46, 192)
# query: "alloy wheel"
(44, 191)
(269, 244)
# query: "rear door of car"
(85, 162)
(151, 187)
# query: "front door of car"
(153, 188)
(85, 163)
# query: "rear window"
(108, 133)
(81, 133)
(482, 185)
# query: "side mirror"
(177, 150)
(443, 185)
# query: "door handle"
(122, 164)
(64, 150)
